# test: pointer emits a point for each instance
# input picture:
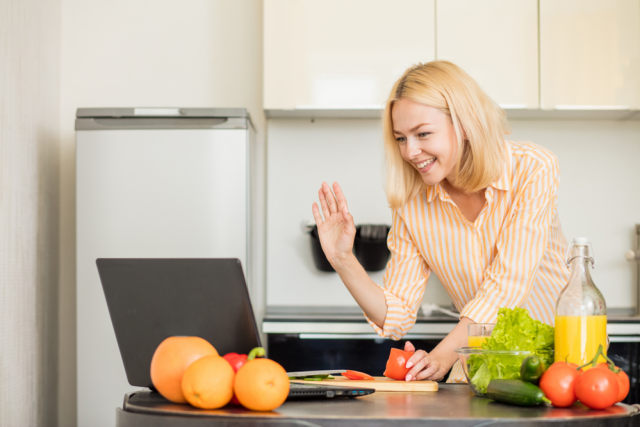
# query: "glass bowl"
(481, 366)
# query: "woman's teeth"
(425, 163)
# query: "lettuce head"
(514, 330)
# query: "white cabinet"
(496, 42)
(590, 54)
(336, 54)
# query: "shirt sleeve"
(404, 280)
(520, 245)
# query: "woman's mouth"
(425, 165)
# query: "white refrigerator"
(159, 182)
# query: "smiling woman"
(477, 210)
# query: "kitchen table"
(452, 405)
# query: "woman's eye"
(400, 139)
(423, 134)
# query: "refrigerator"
(151, 182)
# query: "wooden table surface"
(451, 405)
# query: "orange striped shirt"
(512, 255)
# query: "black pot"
(319, 260)
(371, 246)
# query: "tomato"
(623, 385)
(396, 365)
(597, 388)
(558, 383)
(623, 380)
(356, 375)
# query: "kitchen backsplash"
(599, 197)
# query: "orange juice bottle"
(581, 312)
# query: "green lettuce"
(514, 330)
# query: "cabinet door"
(496, 42)
(590, 54)
(341, 54)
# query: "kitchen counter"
(322, 321)
(452, 405)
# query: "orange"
(208, 382)
(261, 385)
(171, 358)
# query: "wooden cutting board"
(379, 384)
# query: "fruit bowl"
(481, 366)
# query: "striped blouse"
(512, 255)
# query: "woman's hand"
(335, 226)
(427, 366)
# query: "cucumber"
(532, 369)
(516, 392)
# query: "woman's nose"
(413, 147)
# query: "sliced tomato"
(356, 375)
(396, 368)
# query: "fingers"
(323, 203)
(423, 366)
(316, 213)
(416, 362)
(330, 198)
(430, 372)
(342, 201)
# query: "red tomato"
(396, 365)
(597, 388)
(356, 375)
(558, 384)
(623, 381)
(623, 385)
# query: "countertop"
(349, 320)
(452, 405)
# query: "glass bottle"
(581, 312)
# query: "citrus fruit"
(171, 358)
(208, 382)
(261, 385)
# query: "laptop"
(150, 299)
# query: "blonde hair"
(479, 123)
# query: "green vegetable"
(514, 330)
(516, 392)
(532, 369)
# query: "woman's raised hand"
(335, 225)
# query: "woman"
(477, 210)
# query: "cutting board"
(379, 384)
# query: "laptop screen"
(150, 299)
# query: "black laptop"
(150, 299)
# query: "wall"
(200, 53)
(598, 197)
(29, 169)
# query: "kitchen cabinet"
(590, 54)
(334, 54)
(496, 42)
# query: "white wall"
(199, 53)
(599, 197)
(29, 168)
